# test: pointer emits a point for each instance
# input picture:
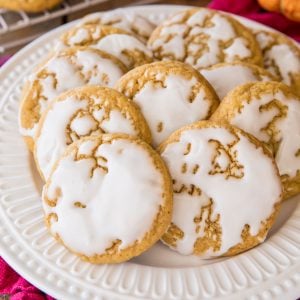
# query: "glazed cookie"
(32, 6)
(203, 37)
(85, 111)
(220, 208)
(170, 95)
(281, 57)
(271, 112)
(226, 76)
(130, 22)
(108, 199)
(131, 51)
(65, 70)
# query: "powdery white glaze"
(231, 195)
(281, 55)
(238, 49)
(224, 78)
(170, 105)
(81, 35)
(52, 140)
(130, 22)
(252, 120)
(185, 41)
(129, 193)
(68, 72)
(116, 44)
(285, 60)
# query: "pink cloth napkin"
(251, 10)
(17, 287)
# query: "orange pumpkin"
(289, 8)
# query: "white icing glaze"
(238, 49)
(224, 78)
(170, 105)
(251, 119)
(264, 39)
(80, 36)
(84, 67)
(52, 140)
(129, 193)
(286, 61)
(94, 64)
(118, 123)
(198, 43)
(209, 57)
(130, 22)
(174, 46)
(83, 125)
(116, 44)
(229, 195)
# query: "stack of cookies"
(187, 133)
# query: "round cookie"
(220, 208)
(131, 51)
(65, 70)
(32, 6)
(130, 22)
(202, 38)
(109, 198)
(281, 57)
(170, 95)
(85, 111)
(271, 112)
(224, 77)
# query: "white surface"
(270, 271)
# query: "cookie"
(202, 38)
(85, 111)
(133, 23)
(170, 95)
(224, 77)
(65, 70)
(131, 51)
(271, 112)
(220, 207)
(32, 6)
(281, 57)
(108, 199)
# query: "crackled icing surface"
(216, 175)
(281, 57)
(80, 114)
(225, 77)
(202, 38)
(85, 35)
(96, 189)
(274, 119)
(128, 49)
(130, 22)
(65, 71)
(168, 100)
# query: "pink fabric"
(3, 59)
(17, 287)
(251, 10)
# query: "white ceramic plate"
(270, 271)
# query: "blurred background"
(19, 28)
